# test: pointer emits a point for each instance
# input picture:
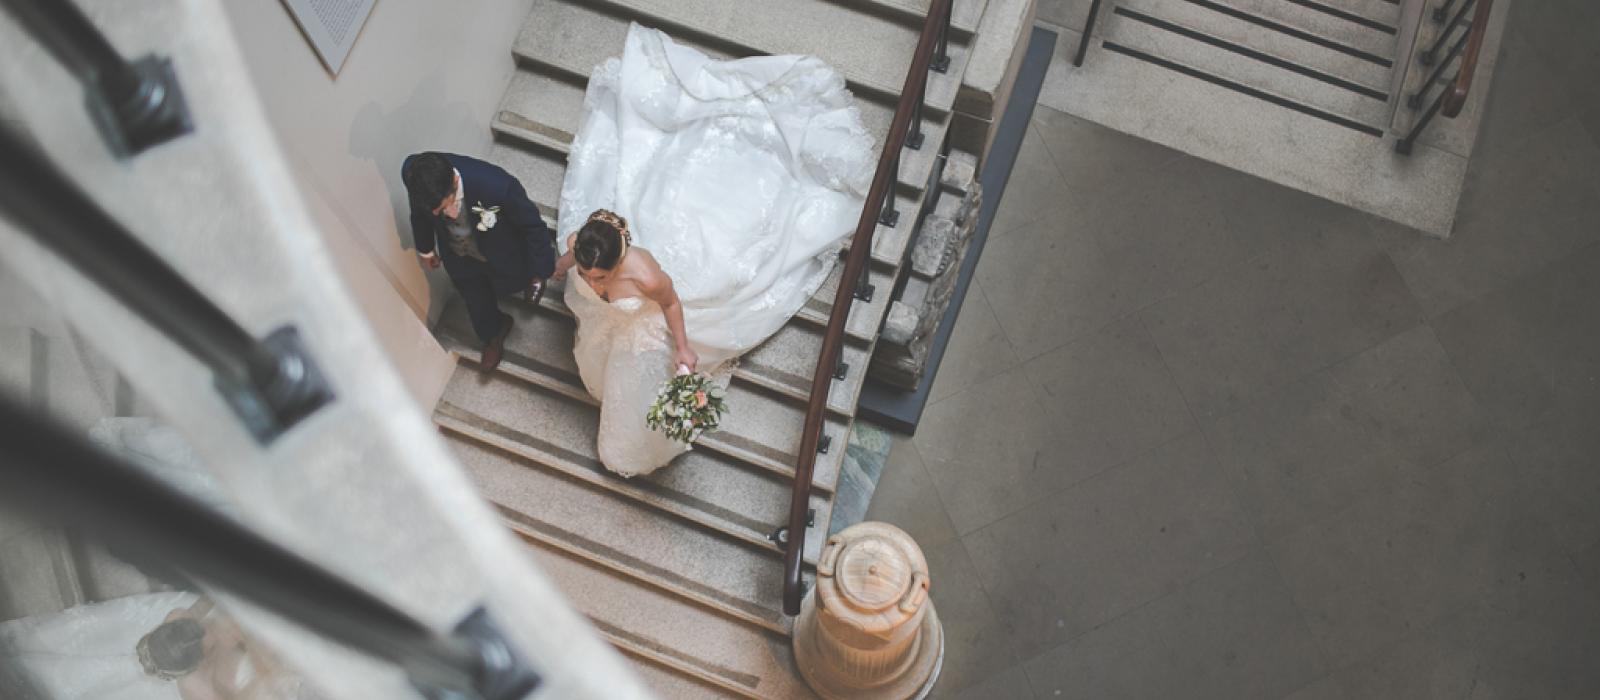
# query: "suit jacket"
(518, 248)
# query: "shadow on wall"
(424, 122)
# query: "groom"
(476, 218)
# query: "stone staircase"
(1307, 93)
(676, 569)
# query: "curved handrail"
(1456, 93)
(934, 35)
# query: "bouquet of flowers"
(688, 405)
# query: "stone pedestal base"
(913, 682)
(868, 629)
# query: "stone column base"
(914, 681)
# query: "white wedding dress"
(743, 178)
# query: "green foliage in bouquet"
(688, 405)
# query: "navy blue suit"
(517, 249)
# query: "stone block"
(901, 325)
(996, 58)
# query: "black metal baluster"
(1415, 100)
(1403, 147)
(914, 138)
(272, 384)
(62, 479)
(941, 55)
(1443, 11)
(890, 216)
(1088, 34)
(136, 105)
(1426, 58)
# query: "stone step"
(1217, 124)
(642, 543)
(783, 364)
(544, 105)
(888, 244)
(1273, 43)
(1380, 11)
(1168, 40)
(671, 633)
(668, 684)
(702, 487)
(759, 429)
(872, 51)
(964, 14)
(541, 175)
(1297, 19)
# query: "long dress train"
(743, 178)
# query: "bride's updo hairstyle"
(602, 241)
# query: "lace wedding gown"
(742, 178)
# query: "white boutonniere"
(486, 216)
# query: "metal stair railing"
(62, 479)
(1452, 96)
(905, 131)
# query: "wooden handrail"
(1456, 93)
(934, 35)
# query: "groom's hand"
(431, 260)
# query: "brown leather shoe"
(496, 347)
(534, 292)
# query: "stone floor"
(1201, 436)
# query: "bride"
(706, 201)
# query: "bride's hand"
(686, 358)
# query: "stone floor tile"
(1067, 13)
(1085, 556)
(906, 498)
(1049, 283)
(1303, 454)
(1588, 562)
(1523, 207)
(1315, 299)
(1532, 349)
(1416, 401)
(1096, 161)
(1557, 459)
(978, 644)
(1526, 97)
(1032, 191)
(1109, 395)
(1233, 633)
(1402, 560)
(1011, 684)
(1124, 659)
(1183, 222)
(1537, 633)
(978, 347)
(990, 450)
(1236, 633)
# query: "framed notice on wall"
(331, 26)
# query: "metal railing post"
(136, 105)
(272, 383)
(61, 478)
(1426, 58)
(1088, 34)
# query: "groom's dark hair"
(429, 179)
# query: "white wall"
(423, 75)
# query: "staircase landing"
(1298, 96)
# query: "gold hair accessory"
(610, 218)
